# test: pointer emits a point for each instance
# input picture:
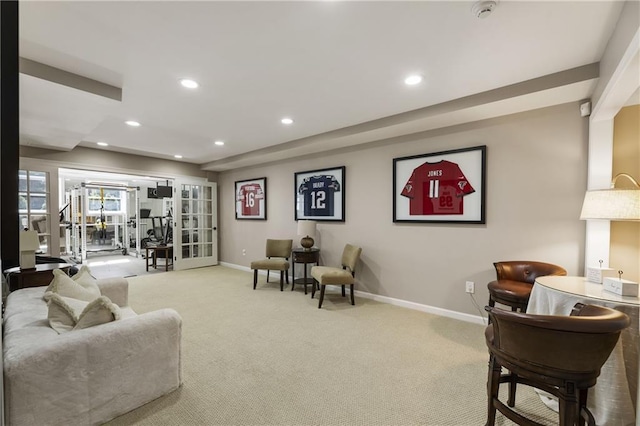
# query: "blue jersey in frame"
(318, 193)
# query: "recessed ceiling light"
(102, 143)
(178, 156)
(286, 120)
(412, 80)
(132, 123)
(219, 143)
(189, 84)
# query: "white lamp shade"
(611, 204)
(29, 241)
(307, 228)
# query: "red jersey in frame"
(250, 195)
(437, 189)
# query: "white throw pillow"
(85, 279)
(100, 311)
(63, 311)
(66, 314)
(63, 285)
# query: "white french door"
(195, 227)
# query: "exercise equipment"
(109, 229)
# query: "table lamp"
(619, 205)
(29, 243)
(308, 229)
(613, 203)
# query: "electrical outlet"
(244, 252)
(470, 287)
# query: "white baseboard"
(234, 266)
(476, 319)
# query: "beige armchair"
(278, 252)
(326, 275)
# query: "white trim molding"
(475, 319)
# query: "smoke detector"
(482, 9)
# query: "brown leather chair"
(278, 252)
(561, 355)
(514, 282)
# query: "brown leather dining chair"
(514, 281)
(561, 355)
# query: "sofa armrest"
(120, 365)
(116, 289)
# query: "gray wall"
(536, 178)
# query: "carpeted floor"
(108, 265)
(267, 357)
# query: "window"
(108, 199)
(33, 199)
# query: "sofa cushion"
(100, 311)
(64, 285)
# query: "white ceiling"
(335, 67)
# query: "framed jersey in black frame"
(251, 199)
(444, 187)
(320, 194)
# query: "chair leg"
(343, 294)
(568, 407)
(513, 382)
(493, 383)
(322, 287)
(267, 275)
(584, 414)
(353, 300)
(313, 289)
(287, 276)
(281, 280)
(255, 278)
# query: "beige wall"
(536, 178)
(103, 160)
(625, 236)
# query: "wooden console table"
(41, 275)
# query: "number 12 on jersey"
(320, 195)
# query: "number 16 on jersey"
(251, 199)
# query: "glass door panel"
(33, 205)
(196, 224)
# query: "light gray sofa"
(86, 376)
